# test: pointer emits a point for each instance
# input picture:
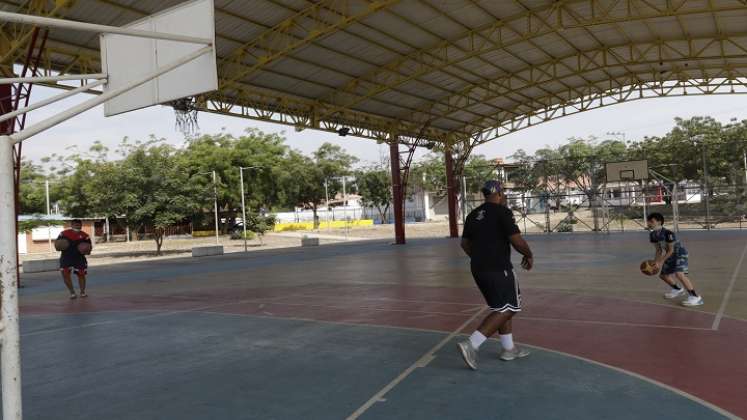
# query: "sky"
(635, 119)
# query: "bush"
(565, 226)
(239, 234)
(203, 233)
(259, 224)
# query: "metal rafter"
(386, 48)
(635, 90)
(609, 57)
(449, 57)
(276, 43)
(554, 19)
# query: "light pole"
(326, 197)
(215, 206)
(49, 214)
(243, 204)
(701, 139)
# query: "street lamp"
(243, 205)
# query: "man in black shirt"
(489, 232)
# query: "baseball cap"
(491, 187)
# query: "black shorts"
(500, 289)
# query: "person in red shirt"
(72, 260)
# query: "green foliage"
(260, 224)
(374, 185)
(303, 179)
(239, 234)
(37, 221)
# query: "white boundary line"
(725, 300)
(441, 344)
(613, 323)
(644, 378)
(423, 361)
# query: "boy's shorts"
(675, 264)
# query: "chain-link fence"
(621, 207)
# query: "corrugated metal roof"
(404, 62)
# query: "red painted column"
(6, 106)
(451, 195)
(397, 194)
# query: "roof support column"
(397, 193)
(451, 194)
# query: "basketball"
(648, 268)
(84, 248)
(61, 244)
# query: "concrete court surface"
(368, 330)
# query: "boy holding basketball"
(72, 258)
(672, 259)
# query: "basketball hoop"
(186, 115)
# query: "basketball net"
(185, 110)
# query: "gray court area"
(317, 333)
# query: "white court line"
(725, 301)
(167, 313)
(677, 391)
(423, 361)
(613, 323)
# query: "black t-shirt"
(488, 228)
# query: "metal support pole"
(326, 197)
(10, 351)
(675, 209)
(93, 102)
(51, 100)
(399, 223)
(464, 199)
(645, 212)
(706, 189)
(92, 27)
(344, 200)
(49, 214)
(451, 195)
(215, 206)
(243, 208)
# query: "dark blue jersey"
(664, 236)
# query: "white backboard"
(126, 58)
(634, 170)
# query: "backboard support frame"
(10, 346)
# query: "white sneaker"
(468, 354)
(514, 353)
(692, 301)
(674, 293)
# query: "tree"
(374, 186)
(225, 154)
(153, 190)
(305, 178)
(32, 192)
(430, 174)
(477, 170)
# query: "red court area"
(585, 299)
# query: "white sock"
(476, 339)
(507, 341)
